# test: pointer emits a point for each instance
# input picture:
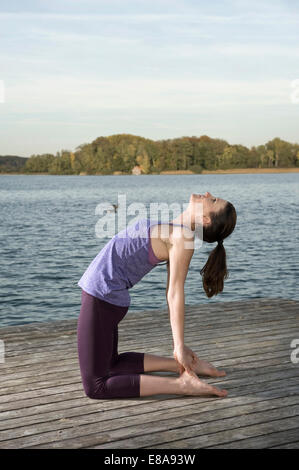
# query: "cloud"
(65, 37)
(68, 93)
(233, 50)
(195, 18)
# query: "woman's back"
(121, 263)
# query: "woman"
(123, 261)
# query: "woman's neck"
(185, 218)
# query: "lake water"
(48, 238)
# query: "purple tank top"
(121, 263)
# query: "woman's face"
(209, 203)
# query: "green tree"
(39, 163)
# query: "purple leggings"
(104, 372)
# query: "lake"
(48, 238)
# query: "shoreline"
(251, 171)
(182, 172)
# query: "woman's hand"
(186, 359)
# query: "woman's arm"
(180, 255)
(167, 287)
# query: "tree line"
(12, 163)
(120, 153)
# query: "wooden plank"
(265, 440)
(282, 335)
(227, 358)
(227, 324)
(24, 386)
(147, 425)
(231, 366)
(242, 359)
(235, 435)
(76, 408)
(29, 346)
(146, 318)
(290, 445)
(142, 434)
(274, 389)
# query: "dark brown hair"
(215, 271)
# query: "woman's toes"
(216, 373)
(205, 368)
(222, 393)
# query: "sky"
(74, 70)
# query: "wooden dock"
(42, 403)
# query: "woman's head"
(218, 218)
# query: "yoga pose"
(121, 263)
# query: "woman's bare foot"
(192, 385)
(205, 368)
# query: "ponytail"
(215, 271)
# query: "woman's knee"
(120, 386)
(95, 388)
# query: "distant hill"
(12, 163)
